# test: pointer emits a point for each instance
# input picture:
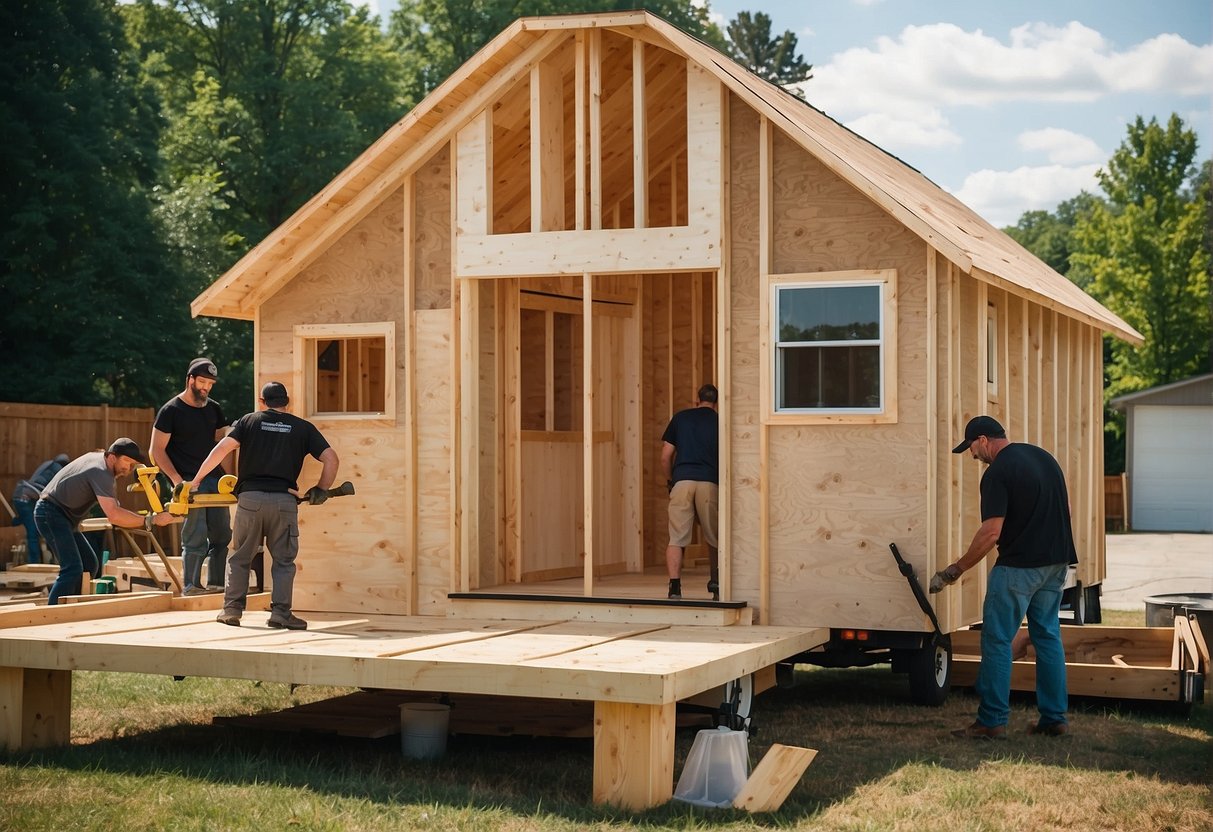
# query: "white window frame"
(306, 337)
(886, 281)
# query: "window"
(992, 352)
(550, 362)
(347, 369)
(833, 343)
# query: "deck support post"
(633, 754)
(35, 708)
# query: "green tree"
(772, 58)
(1144, 253)
(439, 36)
(82, 269)
(266, 100)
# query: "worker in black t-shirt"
(1025, 510)
(273, 445)
(186, 429)
(689, 460)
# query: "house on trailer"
(493, 312)
(1169, 455)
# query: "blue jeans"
(1010, 594)
(205, 534)
(75, 555)
(25, 514)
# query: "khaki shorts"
(691, 500)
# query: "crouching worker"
(84, 482)
(273, 445)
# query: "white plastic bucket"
(423, 729)
(716, 768)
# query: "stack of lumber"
(29, 576)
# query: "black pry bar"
(907, 569)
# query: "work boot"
(1050, 729)
(977, 731)
(229, 617)
(714, 588)
(291, 622)
(675, 593)
(194, 590)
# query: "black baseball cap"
(203, 367)
(274, 394)
(980, 426)
(127, 447)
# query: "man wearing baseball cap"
(1025, 510)
(69, 496)
(273, 445)
(186, 429)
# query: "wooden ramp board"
(774, 778)
(633, 673)
(1148, 663)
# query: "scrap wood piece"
(1119, 660)
(1202, 649)
(773, 779)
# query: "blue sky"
(1012, 105)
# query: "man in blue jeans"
(1025, 509)
(26, 494)
(186, 429)
(81, 484)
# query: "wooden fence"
(1116, 502)
(30, 434)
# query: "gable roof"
(1197, 390)
(960, 234)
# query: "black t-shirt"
(273, 445)
(191, 433)
(694, 433)
(1024, 486)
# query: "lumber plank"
(774, 778)
(633, 754)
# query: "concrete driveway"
(1141, 565)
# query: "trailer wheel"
(930, 671)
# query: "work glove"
(316, 495)
(177, 489)
(944, 577)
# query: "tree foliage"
(82, 268)
(1050, 236)
(1145, 252)
(772, 58)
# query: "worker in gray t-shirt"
(81, 484)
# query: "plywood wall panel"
(351, 557)
(434, 442)
(743, 392)
(432, 253)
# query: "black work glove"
(177, 489)
(944, 577)
(316, 495)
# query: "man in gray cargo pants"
(273, 445)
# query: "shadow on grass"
(860, 721)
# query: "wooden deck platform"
(633, 672)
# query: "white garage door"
(1172, 485)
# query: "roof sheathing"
(942, 221)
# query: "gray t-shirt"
(76, 488)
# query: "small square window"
(347, 369)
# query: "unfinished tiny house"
(493, 312)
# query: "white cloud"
(1001, 196)
(942, 65)
(927, 128)
(1062, 147)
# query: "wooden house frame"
(603, 197)
(492, 314)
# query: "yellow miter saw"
(182, 501)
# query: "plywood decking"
(633, 672)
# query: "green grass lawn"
(144, 756)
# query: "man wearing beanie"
(273, 445)
(26, 495)
(1025, 510)
(186, 429)
(70, 495)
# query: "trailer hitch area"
(907, 569)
